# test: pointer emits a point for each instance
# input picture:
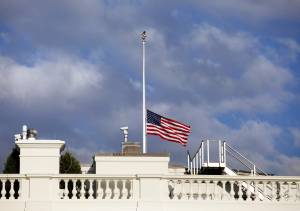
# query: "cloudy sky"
(230, 69)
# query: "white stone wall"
(131, 165)
(39, 156)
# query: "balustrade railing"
(255, 189)
(93, 187)
(10, 187)
(187, 187)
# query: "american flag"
(167, 129)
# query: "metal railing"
(202, 158)
(250, 165)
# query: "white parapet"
(118, 164)
(39, 156)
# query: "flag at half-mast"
(167, 129)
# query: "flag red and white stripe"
(166, 128)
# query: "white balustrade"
(10, 188)
(241, 188)
(254, 189)
(95, 188)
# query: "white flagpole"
(144, 95)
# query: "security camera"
(125, 130)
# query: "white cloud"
(296, 136)
(244, 79)
(207, 63)
(286, 165)
(61, 80)
(256, 138)
(253, 10)
(209, 36)
(290, 43)
(264, 76)
(263, 85)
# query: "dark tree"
(12, 164)
(69, 164)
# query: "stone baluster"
(113, 189)
(214, 190)
(181, 189)
(256, 192)
(206, 182)
(289, 191)
(20, 189)
(69, 191)
(2, 190)
(65, 192)
(127, 189)
(210, 189)
(274, 191)
(81, 191)
(195, 188)
(99, 194)
(122, 189)
(86, 188)
(130, 190)
(108, 192)
(281, 191)
(78, 189)
(186, 189)
(248, 192)
(118, 188)
(11, 190)
(284, 191)
(91, 189)
(297, 191)
(176, 188)
(264, 191)
(223, 190)
(240, 192)
(231, 190)
(190, 193)
(73, 191)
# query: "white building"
(131, 180)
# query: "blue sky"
(230, 69)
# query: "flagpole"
(144, 95)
